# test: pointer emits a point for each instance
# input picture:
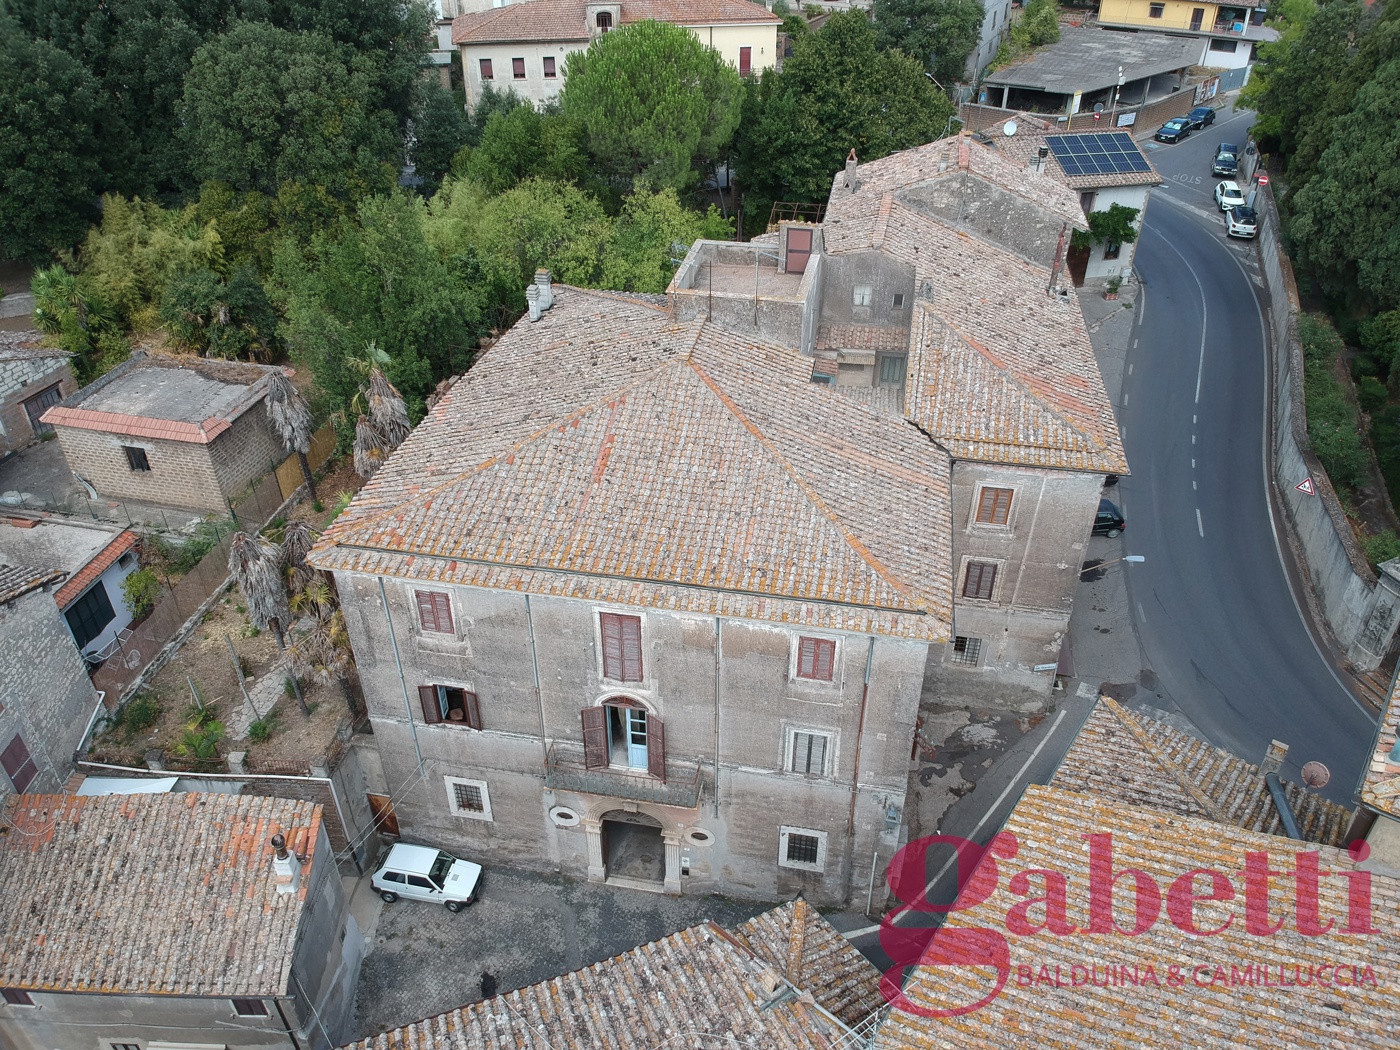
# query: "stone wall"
(46, 693)
(22, 379)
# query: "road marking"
(1193, 464)
(1130, 367)
(1193, 486)
(1193, 439)
(1125, 397)
(894, 916)
(1193, 421)
(1199, 527)
(1141, 615)
(1201, 362)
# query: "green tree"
(214, 317)
(651, 235)
(545, 224)
(836, 93)
(1346, 220)
(264, 107)
(940, 33)
(440, 129)
(380, 280)
(1115, 226)
(68, 311)
(655, 104)
(50, 131)
(1039, 22)
(520, 143)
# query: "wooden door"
(799, 250)
(36, 406)
(382, 806)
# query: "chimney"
(546, 291)
(851, 162)
(1273, 758)
(532, 298)
(1040, 160)
(286, 866)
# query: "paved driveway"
(424, 960)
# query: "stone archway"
(623, 838)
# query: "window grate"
(468, 798)
(966, 650)
(802, 849)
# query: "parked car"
(1173, 130)
(1241, 221)
(1201, 117)
(1228, 195)
(1227, 159)
(422, 873)
(1109, 520)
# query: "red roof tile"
(88, 574)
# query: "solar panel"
(1102, 153)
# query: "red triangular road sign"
(1306, 485)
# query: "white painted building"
(523, 47)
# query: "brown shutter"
(473, 710)
(826, 660)
(656, 747)
(18, 764)
(631, 648)
(427, 696)
(611, 629)
(994, 506)
(595, 737)
(981, 579)
(434, 611)
(806, 657)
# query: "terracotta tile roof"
(812, 954)
(1142, 762)
(1380, 781)
(136, 426)
(1190, 1000)
(610, 454)
(150, 894)
(88, 574)
(1023, 149)
(700, 987)
(17, 580)
(566, 20)
(1000, 371)
(861, 337)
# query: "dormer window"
(604, 21)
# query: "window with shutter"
(656, 748)
(980, 581)
(816, 659)
(808, 753)
(434, 611)
(451, 705)
(486, 69)
(18, 764)
(994, 506)
(622, 647)
(517, 68)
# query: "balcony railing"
(565, 771)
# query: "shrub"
(140, 592)
(261, 731)
(1320, 340)
(1382, 547)
(183, 557)
(1334, 427)
(137, 715)
(200, 739)
(1371, 392)
(1385, 439)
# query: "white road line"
(1193, 464)
(1201, 363)
(1142, 616)
(1125, 397)
(1193, 439)
(1199, 527)
(895, 915)
(1193, 486)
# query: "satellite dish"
(1009, 128)
(1098, 107)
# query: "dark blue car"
(1200, 117)
(1173, 130)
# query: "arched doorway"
(633, 847)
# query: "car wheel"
(454, 906)
(1113, 534)
(388, 896)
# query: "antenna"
(1010, 128)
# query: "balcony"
(565, 771)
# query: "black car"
(1109, 521)
(1227, 159)
(1173, 130)
(1200, 117)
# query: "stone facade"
(46, 694)
(26, 373)
(729, 698)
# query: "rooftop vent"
(286, 866)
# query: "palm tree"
(255, 567)
(290, 416)
(385, 426)
(323, 654)
(297, 540)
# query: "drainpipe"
(1285, 811)
(535, 667)
(291, 1032)
(398, 663)
(855, 771)
(719, 665)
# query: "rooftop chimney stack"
(286, 866)
(542, 280)
(532, 298)
(851, 162)
(1040, 160)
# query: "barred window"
(966, 650)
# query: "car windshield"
(1244, 214)
(441, 866)
(1176, 124)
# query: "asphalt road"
(1212, 604)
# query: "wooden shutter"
(656, 747)
(18, 764)
(745, 61)
(428, 697)
(994, 506)
(816, 659)
(981, 579)
(799, 250)
(595, 737)
(434, 611)
(622, 647)
(473, 709)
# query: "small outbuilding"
(175, 431)
(33, 378)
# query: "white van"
(422, 873)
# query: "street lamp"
(1130, 558)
